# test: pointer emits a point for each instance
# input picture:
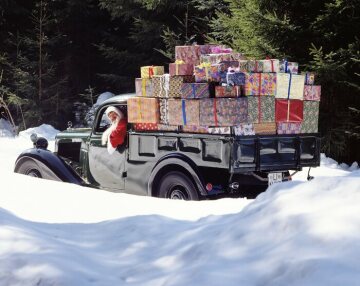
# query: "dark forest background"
(55, 53)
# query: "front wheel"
(177, 186)
(29, 168)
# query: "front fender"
(178, 160)
(53, 162)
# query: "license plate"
(274, 178)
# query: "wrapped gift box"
(260, 83)
(188, 54)
(150, 71)
(255, 66)
(143, 87)
(202, 72)
(195, 129)
(195, 90)
(311, 117)
(220, 50)
(290, 86)
(143, 110)
(244, 129)
(289, 67)
(223, 111)
(145, 126)
(265, 128)
(206, 49)
(261, 109)
(181, 68)
(243, 66)
(166, 86)
(289, 110)
(309, 78)
(229, 91)
(288, 127)
(219, 130)
(312, 92)
(235, 78)
(184, 112)
(218, 58)
(164, 111)
(271, 65)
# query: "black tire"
(30, 168)
(177, 186)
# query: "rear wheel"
(177, 186)
(29, 168)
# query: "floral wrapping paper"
(312, 92)
(188, 54)
(289, 110)
(289, 67)
(223, 111)
(244, 129)
(271, 65)
(290, 86)
(184, 112)
(207, 73)
(309, 78)
(143, 110)
(229, 91)
(288, 127)
(235, 78)
(195, 90)
(150, 71)
(260, 84)
(311, 117)
(164, 111)
(218, 58)
(143, 87)
(181, 69)
(265, 128)
(261, 109)
(165, 86)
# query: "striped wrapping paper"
(195, 90)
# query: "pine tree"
(321, 35)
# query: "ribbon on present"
(288, 111)
(272, 65)
(286, 65)
(237, 90)
(140, 117)
(259, 89)
(151, 71)
(259, 109)
(183, 107)
(193, 87)
(177, 63)
(289, 88)
(143, 87)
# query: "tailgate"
(275, 152)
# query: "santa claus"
(116, 133)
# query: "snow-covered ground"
(297, 233)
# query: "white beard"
(107, 132)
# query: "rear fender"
(52, 162)
(180, 162)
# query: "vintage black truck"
(171, 165)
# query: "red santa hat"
(114, 109)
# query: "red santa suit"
(116, 133)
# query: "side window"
(104, 122)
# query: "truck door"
(106, 170)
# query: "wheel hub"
(178, 193)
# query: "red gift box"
(289, 110)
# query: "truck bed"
(238, 154)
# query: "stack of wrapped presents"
(211, 89)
